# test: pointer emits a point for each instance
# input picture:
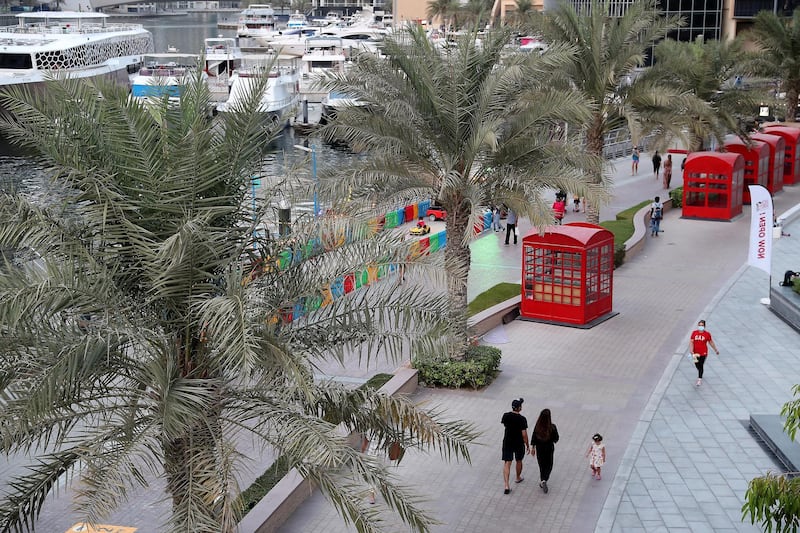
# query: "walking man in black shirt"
(515, 442)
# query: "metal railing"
(618, 143)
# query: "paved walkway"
(679, 457)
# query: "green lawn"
(499, 293)
(622, 227)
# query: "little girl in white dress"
(596, 454)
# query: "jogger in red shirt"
(699, 340)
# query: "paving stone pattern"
(679, 457)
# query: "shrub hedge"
(676, 195)
(477, 370)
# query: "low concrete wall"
(286, 496)
(641, 228)
(482, 323)
(785, 303)
(278, 505)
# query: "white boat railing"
(67, 30)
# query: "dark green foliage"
(477, 370)
(619, 254)
(263, 484)
(377, 381)
(676, 195)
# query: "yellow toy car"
(421, 230)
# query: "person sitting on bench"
(788, 278)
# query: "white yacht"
(323, 54)
(76, 44)
(357, 38)
(282, 91)
(289, 42)
(258, 20)
(296, 21)
(333, 18)
(363, 33)
(222, 58)
(165, 75)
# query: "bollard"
(284, 218)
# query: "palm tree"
(446, 10)
(476, 12)
(456, 124)
(778, 39)
(522, 11)
(132, 348)
(609, 49)
(706, 70)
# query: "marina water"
(20, 171)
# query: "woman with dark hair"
(545, 435)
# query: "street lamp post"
(313, 153)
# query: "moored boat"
(282, 90)
(289, 42)
(334, 102)
(165, 76)
(258, 20)
(296, 21)
(72, 44)
(222, 58)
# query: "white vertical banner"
(760, 254)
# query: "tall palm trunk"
(457, 261)
(188, 455)
(791, 104)
(594, 146)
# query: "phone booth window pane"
(529, 277)
(696, 198)
(720, 182)
(566, 276)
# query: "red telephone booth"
(777, 153)
(791, 161)
(567, 274)
(756, 162)
(712, 185)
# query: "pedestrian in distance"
(496, 226)
(656, 163)
(597, 455)
(667, 171)
(635, 161)
(656, 214)
(511, 225)
(559, 209)
(788, 278)
(576, 203)
(543, 440)
(515, 442)
(699, 341)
